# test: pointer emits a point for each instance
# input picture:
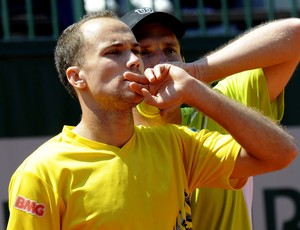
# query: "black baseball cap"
(140, 16)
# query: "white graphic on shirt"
(30, 206)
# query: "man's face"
(158, 44)
(111, 49)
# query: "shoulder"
(241, 79)
(238, 85)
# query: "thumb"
(149, 98)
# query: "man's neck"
(111, 128)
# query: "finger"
(161, 71)
(158, 69)
(137, 87)
(151, 99)
(135, 77)
(150, 74)
(148, 97)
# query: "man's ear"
(74, 78)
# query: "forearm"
(262, 140)
(265, 145)
(266, 45)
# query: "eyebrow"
(120, 44)
(166, 43)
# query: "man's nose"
(135, 62)
(134, 59)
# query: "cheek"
(174, 57)
(106, 71)
(150, 62)
(179, 58)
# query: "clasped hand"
(163, 86)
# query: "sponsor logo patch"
(30, 206)
(144, 11)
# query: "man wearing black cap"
(263, 70)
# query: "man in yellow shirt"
(264, 67)
(107, 173)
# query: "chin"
(134, 98)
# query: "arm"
(273, 46)
(265, 146)
(32, 207)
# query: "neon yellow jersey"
(74, 183)
(226, 209)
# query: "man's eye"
(144, 52)
(171, 50)
(113, 52)
(136, 52)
